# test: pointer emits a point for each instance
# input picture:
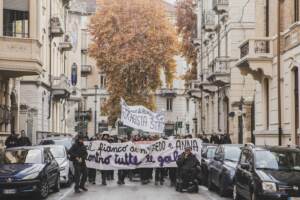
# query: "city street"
(133, 190)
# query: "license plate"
(9, 191)
(294, 198)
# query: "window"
(169, 104)
(296, 97)
(102, 103)
(16, 18)
(267, 103)
(296, 10)
(187, 105)
(102, 81)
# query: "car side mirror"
(218, 157)
(245, 166)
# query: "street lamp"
(95, 113)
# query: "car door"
(51, 167)
(242, 174)
(248, 174)
(218, 163)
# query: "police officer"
(12, 140)
(78, 154)
(23, 140)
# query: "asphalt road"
(129, 191)
(134, 191)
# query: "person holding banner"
(78, 154)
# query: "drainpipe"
(279, 73)
(201, 68)
(50, 63)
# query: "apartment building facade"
(41, 66)
(276, 97)
(225, 97)
(178, 106)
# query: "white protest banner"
(161, 153)
(141, 118)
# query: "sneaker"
(104, 184)
(77, 191)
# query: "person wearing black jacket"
(78, 154)
(12, 140)
(23, 140)
(187, 165)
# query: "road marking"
(66, 194)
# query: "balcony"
(193, 88)
(209, 21)
(66, 45)
(291, 38)
(208, 87)
(166, 92)
(256, 57)
(61, 88)
(56, 26)
(219, 71)
(220, 6)
(86, 69)
(20, 56)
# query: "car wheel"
(44, 189)
(209, 182)
(235, 194)
(56, 187)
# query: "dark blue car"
(26, 170)
(221, 170)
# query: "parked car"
(221, 170)
(65, 165)
(29, 170)
(268, 173)
(208, 153)
(65, 141)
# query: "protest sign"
(141, 118)
(161, 153)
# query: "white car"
(66, 166)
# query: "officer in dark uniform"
(78, 154)
(12, 140)
(23, 140)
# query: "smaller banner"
(141, 118)
(157, 154)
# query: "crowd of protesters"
(78, 154)
(83, 174)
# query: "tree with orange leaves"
(187, 29)
(133, 43)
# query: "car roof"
(40, 147)
(277, 148)
(54, 146)
(57, 138)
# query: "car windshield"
(277, 160)
(211, 152)
(58, 152)
(66, 143)
(232, 153)
(23, 156)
